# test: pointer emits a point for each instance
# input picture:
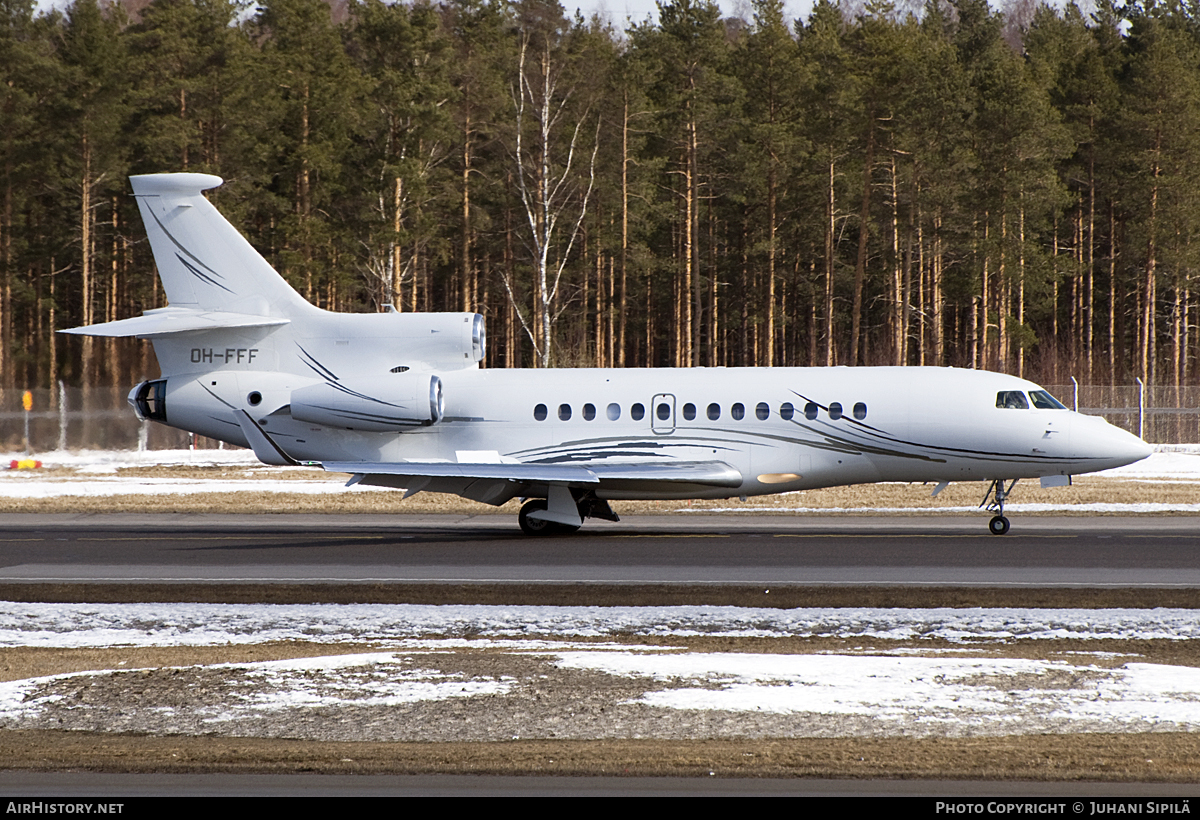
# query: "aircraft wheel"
(998, 525)
(534, 526)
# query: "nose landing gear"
(998, 493)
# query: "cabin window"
(763, 411)
(614, 411)
(860, 411)
(638, 412)
(689, 411)
(1011, 400)
(738, 411)
(589, 412)
(835, 410)
(786, 411)
(810, 411)
(564, 412)
(1044, 401)
(540, 412)
(714, 411)
(663, 411)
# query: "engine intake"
(149, 400)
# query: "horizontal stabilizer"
(166, 321)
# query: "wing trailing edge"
(526, 473)
(709, 473)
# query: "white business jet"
(398, 400)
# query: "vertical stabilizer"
(203, 261)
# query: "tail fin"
(203, 261)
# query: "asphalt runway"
(1124, 552)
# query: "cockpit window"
(1044, 401)
(1011, 400)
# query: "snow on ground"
(872, 693)
(937, 693)
(112, 460)
(369, 679)
(96, 475)
(939, 690)
(97, 625)
(105, 487)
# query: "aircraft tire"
(998, 525)
(536, 527)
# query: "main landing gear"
(998, 493)
(540, 526)
(585, 503)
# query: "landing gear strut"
(998, 493)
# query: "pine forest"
(878, 184)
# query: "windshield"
(1011, 400)
(1044, 401)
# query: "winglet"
(267, 451)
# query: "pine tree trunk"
(830, 227)
(864, 231)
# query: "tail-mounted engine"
(404, 400)
(149, 400)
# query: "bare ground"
(1146, 758)
(565, 723)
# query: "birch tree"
(555, 142)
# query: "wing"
(494, 482)
(525, 473)
(707, 473)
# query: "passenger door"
(662, 413)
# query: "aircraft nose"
(1109, 446)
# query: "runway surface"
(1126, 552)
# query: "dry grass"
(1148, 758)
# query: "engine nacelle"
(149, 400)
(380, 405)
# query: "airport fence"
(82, 418)
(1160, 415)
(76, 418)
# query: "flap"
(711, 473)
